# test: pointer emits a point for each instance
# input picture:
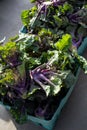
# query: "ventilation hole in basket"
(40, 124)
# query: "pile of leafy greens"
(38, 67)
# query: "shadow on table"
(4, 115)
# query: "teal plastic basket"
(49, 124)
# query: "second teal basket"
(49, 124)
